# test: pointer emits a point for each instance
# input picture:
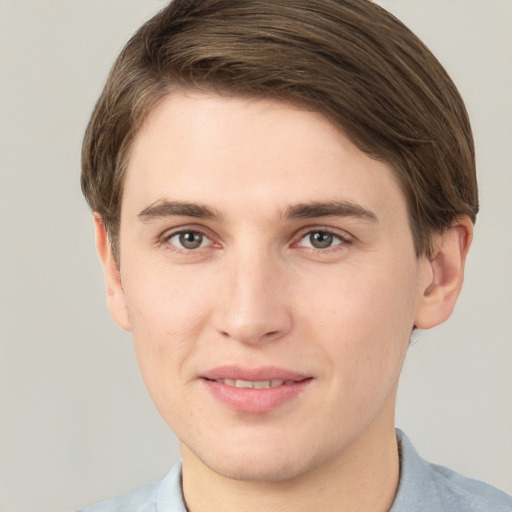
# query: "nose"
(253, 306)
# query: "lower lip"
(256, 401)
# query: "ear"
(445, 271)
(115, 295)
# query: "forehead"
(238, 153)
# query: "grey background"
(76, 424)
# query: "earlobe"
(115, 295)
(446, 275)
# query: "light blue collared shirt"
(423, 487)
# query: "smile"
(255, 391)
(256, 384)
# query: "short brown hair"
(349, 60)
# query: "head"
(288, 189)
(349, 60)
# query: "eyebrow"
(329, 209)
(163, 208)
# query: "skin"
(258, 291)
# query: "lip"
(252, 400)
(253, 374)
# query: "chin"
(249, 470)
(270, 461)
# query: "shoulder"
(469, 494)
(424, 487)
(138, 500)
(162, 495)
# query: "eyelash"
(343, 240)
(166, 239)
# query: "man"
(282, 192)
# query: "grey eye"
(321, 240)
(191, 240)
(188, 240)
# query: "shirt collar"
(170, 496)
(417, 483)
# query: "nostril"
(253, 324)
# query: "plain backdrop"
(76, 424)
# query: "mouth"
(255, 384)
(255, 391)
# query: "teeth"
(262, 384)
(257, 384)
(243, 384)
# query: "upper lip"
(263, 373)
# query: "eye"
(189, 240)
(320, 240)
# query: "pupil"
(321, 240)
(191, 240)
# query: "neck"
(364, 477)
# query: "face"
(270, 282)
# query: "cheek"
(163, 303)
(362, 320)
(167, 316)
(362, 298)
